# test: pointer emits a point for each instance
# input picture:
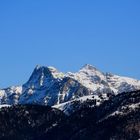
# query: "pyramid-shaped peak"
(41, 72)
(46, 68)
(88, 67)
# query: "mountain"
(48, 86)
(88, 104)
(115, 119)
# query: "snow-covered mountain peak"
(88, 67)
(91, 71)
(40, 71)
(42, 75)
(100, 82)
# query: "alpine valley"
(86, 105)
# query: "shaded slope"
(117, 118)
(27, 122)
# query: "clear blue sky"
(67, 34)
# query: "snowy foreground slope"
(48, 86)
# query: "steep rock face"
(48, 86)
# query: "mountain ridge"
(48, 86)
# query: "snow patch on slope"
(3, 106)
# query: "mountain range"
(88, 104)
(48, 86)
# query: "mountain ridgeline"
(86, 105)
(48, 86)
